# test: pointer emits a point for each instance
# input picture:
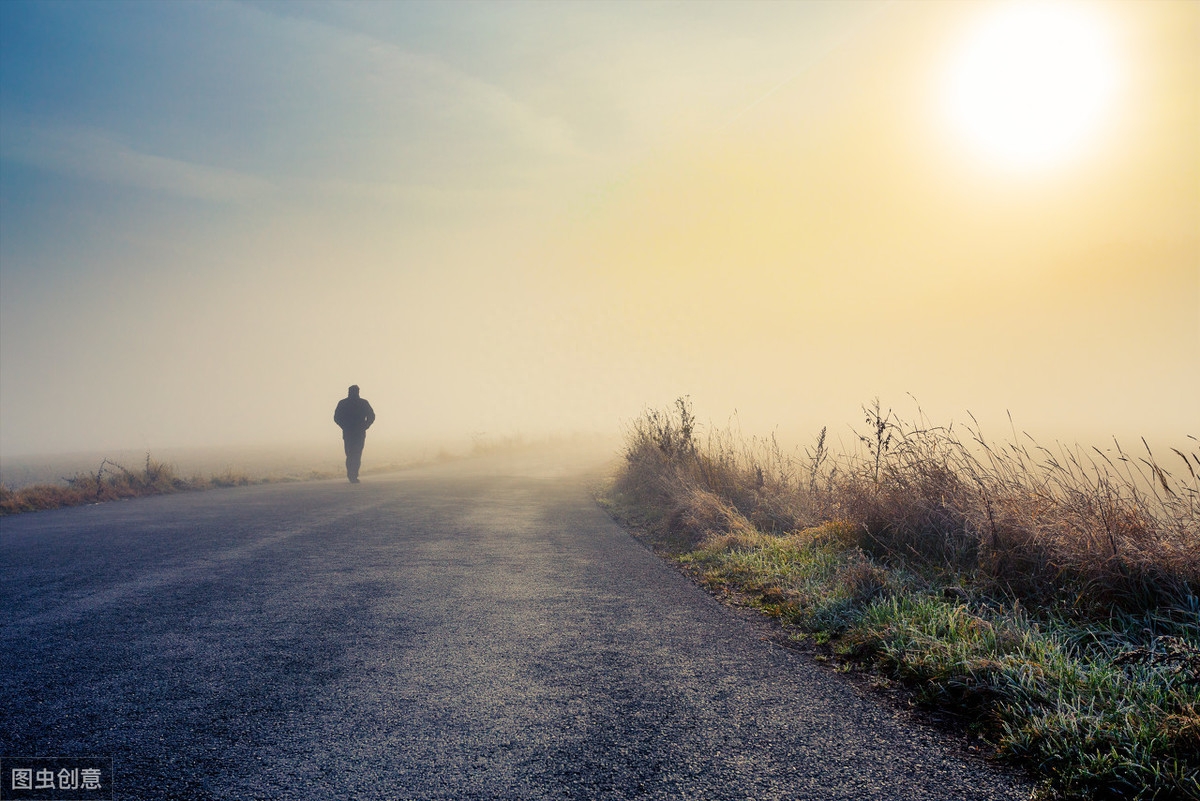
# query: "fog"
(510, 220)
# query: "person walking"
(354, 415)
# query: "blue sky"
(535, 217)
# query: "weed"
(1047, 596)
(110, 482)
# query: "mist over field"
(275, 462)
(233, 464)
(536, 220)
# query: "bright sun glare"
(1032, 82)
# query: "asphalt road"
(471, 632)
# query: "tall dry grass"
(1084, 531)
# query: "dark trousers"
(354, 441)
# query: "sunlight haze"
(541, 218)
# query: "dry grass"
(1088, 531)
(110, 482)
(1049, 597)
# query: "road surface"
(479, 631)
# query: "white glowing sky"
(1034, 81)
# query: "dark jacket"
(354, 415)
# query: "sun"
(1032, 83)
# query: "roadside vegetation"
(1047, 598)
(112, 482)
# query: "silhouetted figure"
(355, 416)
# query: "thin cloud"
(816, 57)
(423, 84)
(420, 195)
(101, 156)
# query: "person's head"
(353, 390)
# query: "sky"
(541, 218)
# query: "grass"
(1046, 597)
(111, 482)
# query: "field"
(49, 482)
(1047, 598)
